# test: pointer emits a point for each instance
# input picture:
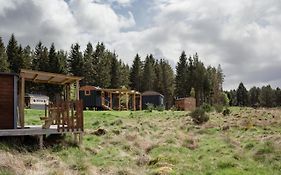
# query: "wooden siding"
(186, 104)
(7, 102)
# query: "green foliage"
(76, 61)
(218, 108)
(266, 97)
(149, 107)
(226, 111)
(192, 92)
(136, 73)
(148, 76)
(199, 116)
(4, 64)
(207, 107)
(242, 95)
(160, 108)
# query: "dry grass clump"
(18, 163)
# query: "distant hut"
(91, 96)
(36, 101)
(186, 104)
(8, 100)
(152, 97)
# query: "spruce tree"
(125, 74)
(136, 73)
(4, 64)
(76, 61)
(148, 76)
(115, 72)
(242, 95)
(266, 97)
(89, 69)
(13, 56)
(37, 55)
(181, 90)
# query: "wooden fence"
(67, 115)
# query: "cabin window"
(87, 93)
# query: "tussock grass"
(247, 141)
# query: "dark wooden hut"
(152, 97)
(110, 99)
(8, 100)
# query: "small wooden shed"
(186, 104)
(152, 97)
(8, 100)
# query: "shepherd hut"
(152, 97)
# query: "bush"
(199, 116)
(218, 108)
(160, 108)
(207, 107)
(150, 107)
(226, 112)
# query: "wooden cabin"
(185, 104)
(61, 117)
(110, 99)
(152, 97)
(36, 101)
(8, 100)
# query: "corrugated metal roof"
(36, 96)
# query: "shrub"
(207, 107)
(160, 108)
(218, 108)
(150, 107)
(226, 112)
(199, 116)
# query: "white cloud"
(243, 35)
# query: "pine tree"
(4, 64)
(266, 97)
(148, 76)
(125, 74)
(167, 79)
(76, 61)
(253, 95)
(181, 89)
(43, 62)
(115, 72)
(136, 73)
(89, 69)
(242, 95)
(12, 53)
(37, 55)
(27, 58)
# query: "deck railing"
(67, 115)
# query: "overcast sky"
(244, 36)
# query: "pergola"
(47, 78)
(126, 92)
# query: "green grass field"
(248, 141)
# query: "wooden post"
(40, 139)
(134, 102)
(127, 101)
(140, 102)
(80, 138)
(67, 91)
(22, 93)
(77, 89)
(119, 103)
(110, 105)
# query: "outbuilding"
(8, 100)
(152, 97)
(186, 104)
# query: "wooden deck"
(35, 130)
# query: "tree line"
(265, 96)
(102, 67)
